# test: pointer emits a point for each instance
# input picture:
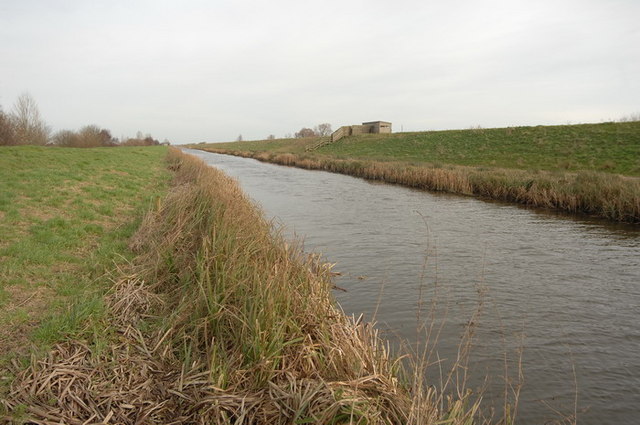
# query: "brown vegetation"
(92, 136)
(7, 133)
(29, 127)
(140, 141)
(320, 130)
(305, 132)
(25, 126)
(604, 195)
(89, 136)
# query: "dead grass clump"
(126, 381)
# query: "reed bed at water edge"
(609, 196)
(219, 320)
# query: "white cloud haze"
(194, 71)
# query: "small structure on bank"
(352, 130)
(365, 128)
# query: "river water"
(562, 290)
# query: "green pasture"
(66, 215)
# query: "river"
(563, 290)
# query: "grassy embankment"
(219, 320)
(65, 217)
(588, 168)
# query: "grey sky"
(196, 71)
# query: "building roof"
(375, 122)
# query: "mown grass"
(607, 147)
(569, 168)
(65, 219)
(219, 320)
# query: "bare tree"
(305, 132)
(323, 129)
(89, 136)
(150, 141)
(106, 139)
(92, 136)
(29, 127)
(239, 138)
(7, 133)
(66, 138)
(271, 137)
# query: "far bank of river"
(598, 194)
(565, 289)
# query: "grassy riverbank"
(589, 168)
(65, 218)
(219, 320)
(609, 147)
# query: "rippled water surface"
(566, 290)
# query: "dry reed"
(609, 196)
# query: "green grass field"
(607, 147)
(65, 219)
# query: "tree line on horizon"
(319, 130)
(24, 125)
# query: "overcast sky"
(193, 71)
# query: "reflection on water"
(566, 289)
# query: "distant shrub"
(147, 141)
(323, 129)
(7, 132)
(24, 126)
(92, 135)
(319, 130)
(305, 132)
(89, 136)
(28, 125)
(66, 138)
